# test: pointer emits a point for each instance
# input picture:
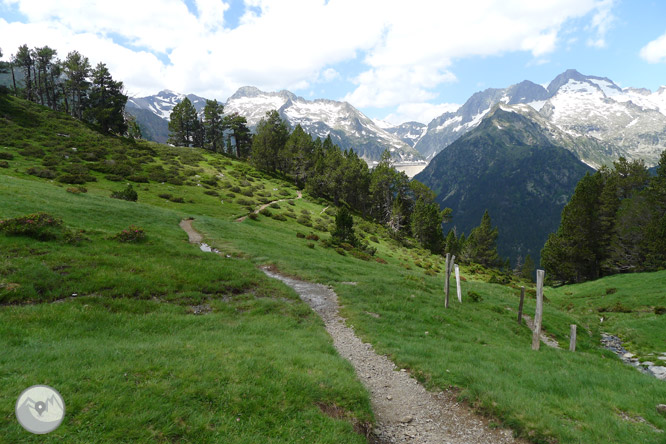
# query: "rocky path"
(404, 410)
(242, 218)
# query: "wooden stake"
(446, 280)
(538, 315)
(572, 340)
(520, 306)
(458, 283)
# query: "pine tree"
(239, 141)
(527, 270)
(344, 227)
(269, 140)
(483, 243)
(183, 124)
(77, 70)
(106, 102)
(214, 125)
(23, 59)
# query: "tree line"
(71, 85)
(213, 130)
(325, 170)
(614, 223)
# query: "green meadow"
(112, 324)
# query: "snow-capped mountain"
(625, 121)
(162, 103)
(347, 126)
(408, 132)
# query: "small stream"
(614, 344)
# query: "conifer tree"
(239, 140)
(214, 125)
(483, 243)
(527, 270)
(77, 70)
(344, 227)
(106, 102)
(183, 124)
(269, 140)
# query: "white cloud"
(602, 21)
(419, 112)
(655, 51)
(402, 50)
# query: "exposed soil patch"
(404, 410)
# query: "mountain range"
(602, 120)
(516, 168)
(347, 126)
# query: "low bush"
(266, 212)
(4, 164)
(253, 216)
(211, 192)
(280, 217)
(304, 221)
(300, 235)
(6, 156)
(114, 178)
(77, 190)
(126, 194)
(474, 296)
(130, 234)
(275, 205)
(44, 173)
(41, 226)
(312, 236)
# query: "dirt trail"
(242, 218)
(195, 237)
(404, 410)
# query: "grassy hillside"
(134, 364)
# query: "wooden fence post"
(458, 283)
(572, 340)
(449, 269)
(520, 306)
(446, 280)
(538, 315)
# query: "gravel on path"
(405, 412)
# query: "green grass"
(627, 304)
(261, 356)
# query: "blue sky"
(392, 59)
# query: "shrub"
(380, 260)
(374, 239)
(130, 234)
(31, 151)
(266, 212)
(304, 221)
(126, 194)
(41, 226)
(246, 202)
(177, 200)
(77, 190)
(659, 310)
(305, 212)
(71, 178)
(360, 255)
(312, 236)
(4, 164)
(114, 178)
(235, 189)
(166, 196)
(474, 296)
(253, 216)
(279, 217)
(340, 251)
(311, 245)
(275, 205)
(211, 192)
(6, 156)
(611, 290)
(321, 227)
(247, 193)
(300, 235)
(291, 202)
(44, 173)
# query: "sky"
(394, 60)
